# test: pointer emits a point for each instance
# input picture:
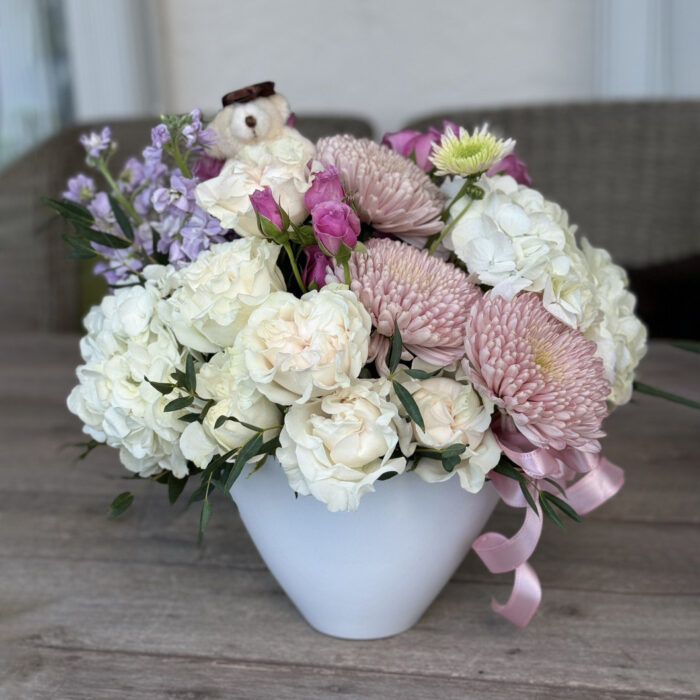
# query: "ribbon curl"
(602, 481)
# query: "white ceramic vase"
(367, 574)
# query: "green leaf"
(456, 449)
(449, 462)
(190, 417)
(269, 230)
(71, 211)
(101, 237)
(421, 373)
(120, 504)
(562, 505)
(303, 235)
(409, 404)
(527, 495)
(175, 487)
(204, 518)
(248, 451)
(190, 374)
(222, 419)
(550, 513)
(82, 254)
(395, 348)
(386, 475)
(506, 468)
(163, 387)
(179, 377)
(177, 404)
(556, 485)
(689, 345)
(652, 391)
(122, 219)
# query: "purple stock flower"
(264, 204)
(160, 135)
(316, 266)
(335, 223)
(417, 143)
(325, 187)
(132, 175)
(81, 189)
(95, 143)
(513, 166)
(206, 167)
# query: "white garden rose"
(126, 341)
(297, 349)
(620, 336)
(514, 239)
(223, 380)
(281, 165)
(336, 447)
(453, 412)
(214, 296)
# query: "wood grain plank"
(630, 643)
(40, 673)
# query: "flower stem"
(434, 245)
(462, 191)
(346, 270)
(102, 167)
(295, 268)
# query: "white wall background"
(387, 59)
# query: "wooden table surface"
(133, 609)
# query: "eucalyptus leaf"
(422, 374)
(190, 374)
(101, 237)
(163, 387)
(395, 349)
(204, 517)
(550, 512)
(562, 505)
(177, 404)
(175, 487)
(120, 504)
(72, 211)
(248, 451)
(409, 404)
(122, 219)
(528, 496)
(660, 393)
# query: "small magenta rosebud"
(325, 187)
(335, 223)
(264, 204)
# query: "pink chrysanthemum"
(428, 298)
(390, 192)
(543, 374)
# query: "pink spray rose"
(513, 166)
(325, 187)
(420, 144)
(264, 204)
(315, 269)
(335, 223)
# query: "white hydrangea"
(453, 412)
(296, 349)
(281, 165)
(336, 447)
(514, 239)
(214, 296)
(620, 336)
(223, 379)
(125, 342)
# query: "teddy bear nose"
(251, 121)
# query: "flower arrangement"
(356, 310)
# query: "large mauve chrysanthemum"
(428, 298)
(390, 192)
(542, 373)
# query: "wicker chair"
(629, 175)
(40, 288)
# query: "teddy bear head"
(250, 115)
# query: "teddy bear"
(251, 115)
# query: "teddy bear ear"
(281, 105)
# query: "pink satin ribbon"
(603, 480)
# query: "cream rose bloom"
(281, 165)
(620, 336)
(336, 447)
(224, 381)
(297, 349)
(213, 297)
(453, 412)
(514, 239)
(126, 341)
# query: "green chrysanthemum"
(468, 154)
